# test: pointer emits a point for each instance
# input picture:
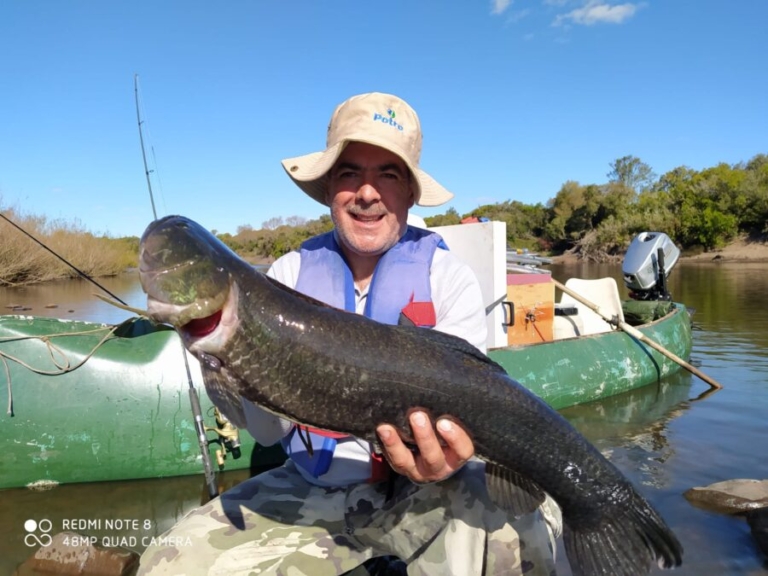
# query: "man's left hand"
(433, 461)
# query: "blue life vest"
(401, 275)
(400, 286)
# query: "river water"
(666, 438)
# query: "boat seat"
(603, 292)
(567, 322)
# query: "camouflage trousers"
(278, 524)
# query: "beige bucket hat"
(380, 119)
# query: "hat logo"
(389, 118)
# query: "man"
(329, 510)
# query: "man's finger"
(430, 450)
(398, 454)
(459, 443)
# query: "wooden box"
(533, 300)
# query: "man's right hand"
(433, 461)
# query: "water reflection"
(631, 429)
(74, 299)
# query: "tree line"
(276, 236)
(700, 211)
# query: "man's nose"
(368, 191)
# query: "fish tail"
(626, 544)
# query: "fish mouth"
(203, 326)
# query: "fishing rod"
(141, 140)
(75, 268)
(202, 437)
(194, 398)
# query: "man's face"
(369, 192)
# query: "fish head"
(186, 273)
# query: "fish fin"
(512, 491)
(625, 544)
(220, 392)
(458, 345)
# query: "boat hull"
(588, 368)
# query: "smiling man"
(369, 192)
(333, 508)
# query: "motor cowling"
(647, 265)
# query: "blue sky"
(515, 97)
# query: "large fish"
(330, 369)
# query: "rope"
(62, 367)
(65, 366)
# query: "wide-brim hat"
(380, 119)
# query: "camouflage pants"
(278, 524)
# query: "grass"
(23, 261)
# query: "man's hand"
(433, 462)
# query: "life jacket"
(400, 292)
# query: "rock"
(72, 554)
(730, 496)
(758, 522)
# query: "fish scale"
(334, 370)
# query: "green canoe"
(579, 370)
(91, 403)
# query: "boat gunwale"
(676, 309)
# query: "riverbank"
(742, 249)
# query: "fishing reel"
(228, 438)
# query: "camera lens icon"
(33, 527)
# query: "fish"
(334, 370)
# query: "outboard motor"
(647, 264)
